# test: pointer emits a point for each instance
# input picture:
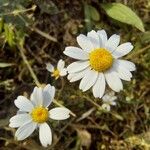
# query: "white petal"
(122, 50)
(76, 53)
(25, 130)
(112, 42)
(78, 75)
(69, 77)
(37, 96)
(59, 113)
(85, 43)
(99, 86)
(94, 38)
(49, 67)
(127, 64)
(19, 120)
(103, 37)
(60, 65)
(63, 72)
(45, 134)
(88, 80)
(113, 80)
(20, 112)
(48, 95)
(77, 66)
(123, 73)
(23, 104)
(51, 90)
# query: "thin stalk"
(21, 49)
(47, 36)
(138, 53)
(16, 12)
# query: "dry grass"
(126, 127)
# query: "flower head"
(99, 61)
(59, 71)
(108, 100)
(34, 114)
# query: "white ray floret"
(99, 62)
(34, 114)
(59, 71)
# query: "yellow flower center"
(56, 73)
(40, 114)
(100, 59)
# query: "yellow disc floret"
(100, 59)
(39, 114)
(56, 73)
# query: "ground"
(40, 30)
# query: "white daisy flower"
(99, 61)
(108, 100)
(59, 71)
(34, 114)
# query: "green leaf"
(91, 14)
(87, 16)
(123, 14)
(145, 38)
(94, 13)
(1, 24)
(9, 34)
(14, 12)
(20, 37)
(3, 65)
(47, 7)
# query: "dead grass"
(126, 127)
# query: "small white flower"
(59, 71)
(34, 114)
(108, 100)
(99, 61)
